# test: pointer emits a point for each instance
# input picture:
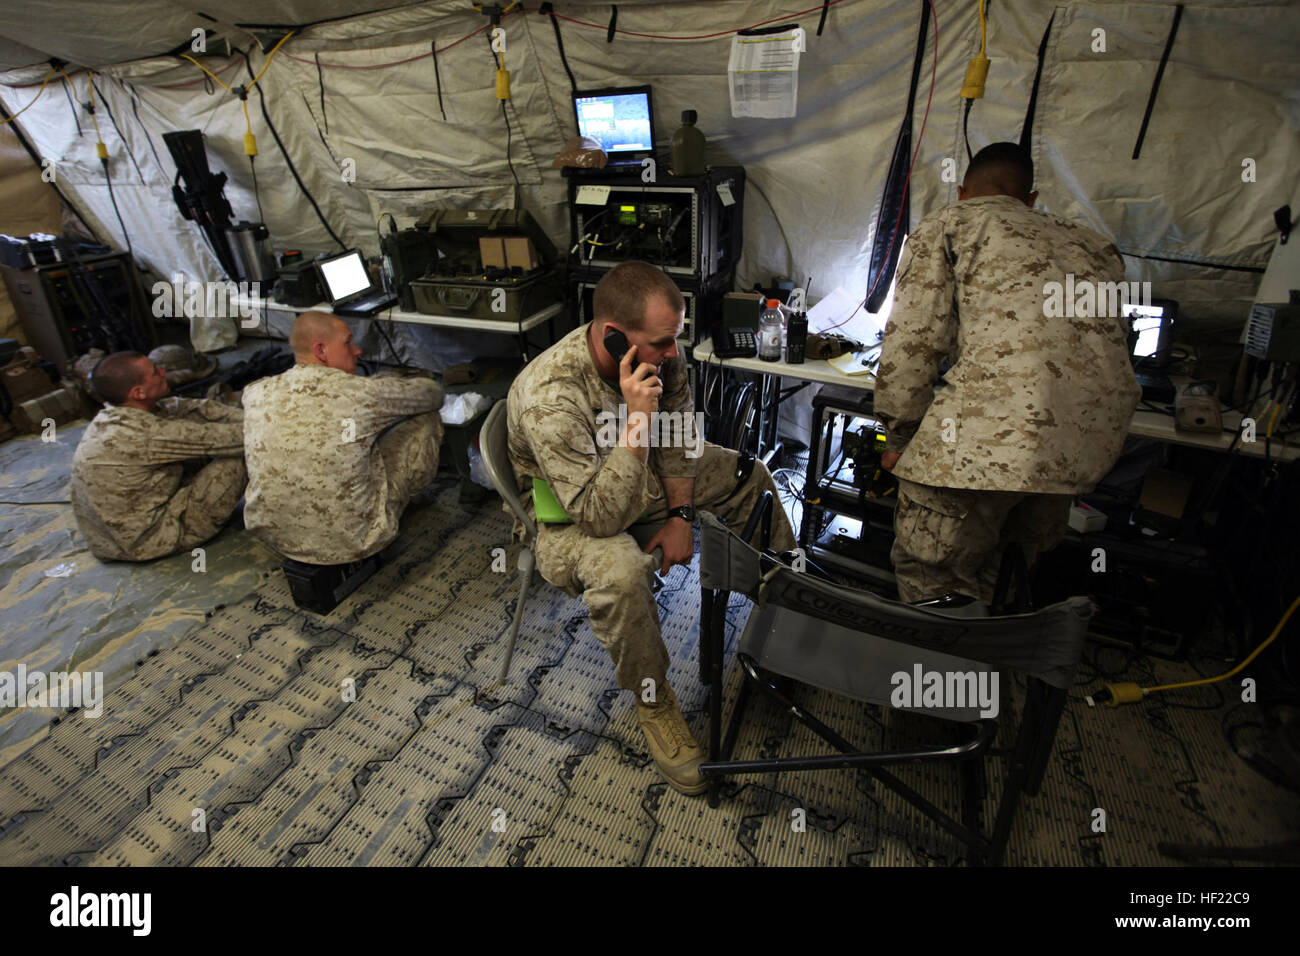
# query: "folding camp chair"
(493, 442)
(852, 642)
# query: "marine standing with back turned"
(1033, 407)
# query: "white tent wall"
(1229, 93)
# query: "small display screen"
(345, 276)
(620, 122)
(1147, 320)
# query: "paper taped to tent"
(987, 310)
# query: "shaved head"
(319, 338)
(310, 328)
(1000, 169)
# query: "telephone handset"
(616, 343)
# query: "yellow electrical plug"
(1112, 695)
(503, 83)
(977, 71)
(250, 144)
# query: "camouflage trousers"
(615, 577)
(195, 513)
(950, 540)
(410, 453)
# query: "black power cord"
(261, 98)
(126, 235)
(257, 193)
(113, 119)
(76, 118)
(506, 116)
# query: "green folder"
(547, 509)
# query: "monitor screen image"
(345, 276)
(1146, 321)
(620, 122)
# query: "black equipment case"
(455, 283)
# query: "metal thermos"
(250, 243)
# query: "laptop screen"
(618, 119)
(344, 275)
(1148, 322)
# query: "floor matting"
(379, 735)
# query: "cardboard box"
(520, 252)
(492, 252)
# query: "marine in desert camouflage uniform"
(557, 408)
(1033, 408)
(154, 475)
(333, 457)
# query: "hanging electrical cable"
(125, 145)
(135, 109)
(48, 76)
(250, 141)
(548, 9)
(320, 80)
(494, 15)
(76, 118)
(102, 151)
(977, 72)
(293, 170)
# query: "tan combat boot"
(676, 752)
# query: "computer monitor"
(344, 275)
(619, 118)
(1150, 331)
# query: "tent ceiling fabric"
(1228, 94)
(96, 33)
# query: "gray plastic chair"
(493, 440)
(496, 458)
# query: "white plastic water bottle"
(771, 328)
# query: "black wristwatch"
(685, 511)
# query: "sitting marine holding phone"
(606, 478)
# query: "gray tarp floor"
(240, 715)
(61, 608)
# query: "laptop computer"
(1150, 336)
(620, 119)
(348, 287)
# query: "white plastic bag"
(463, 407)
(478, 472)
